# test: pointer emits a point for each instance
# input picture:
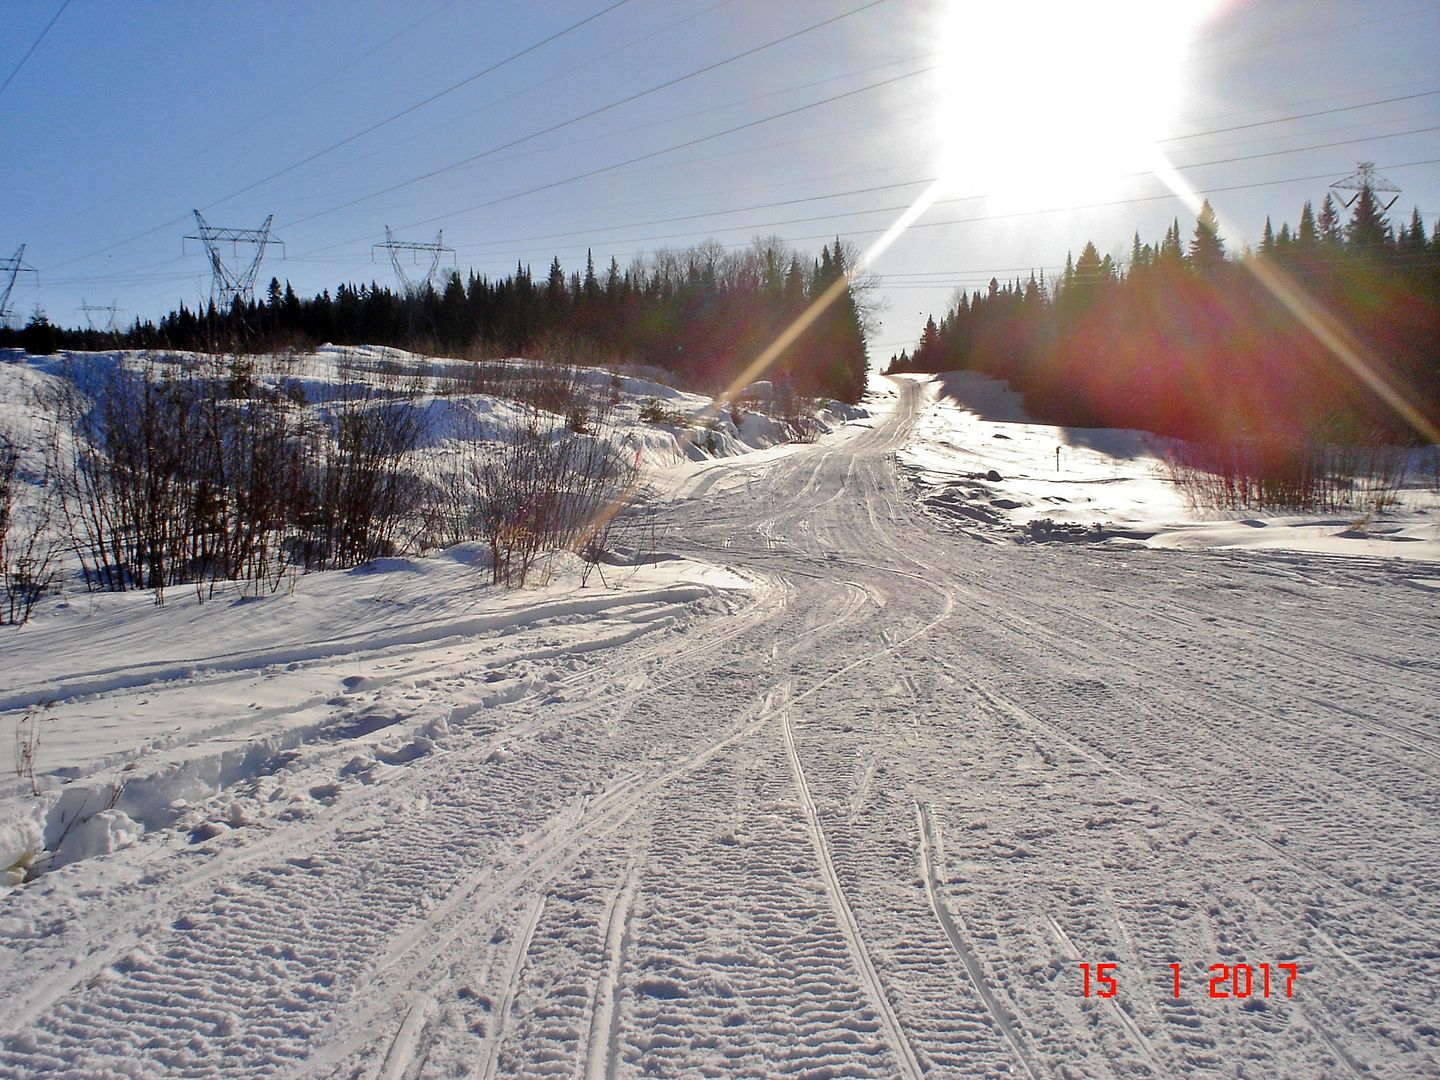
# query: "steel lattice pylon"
(408, 285)
(230, 283)
(10, 269)
(1366, 177)
(91, 310)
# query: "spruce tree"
(1368, 229)
(1207, 250)
(1329, 223)
(1307, 236)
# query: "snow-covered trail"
(869, 825)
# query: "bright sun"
(1052, 100)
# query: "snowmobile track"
(1006, 1022)
(870, 978)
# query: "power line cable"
(639, 157)
(1258, 45)
(529, 89)
(426, 101)
(696, 73)
(233, 132)
(1010, 215)
(908, 183)
(1214, 190)
(366, 131)
(1299, 116)
(33, 46)
(677, 117)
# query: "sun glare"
(1053, 99)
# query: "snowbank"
(981, 463)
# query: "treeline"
(1189, 341)
(702, 314)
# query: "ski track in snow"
(869, 823)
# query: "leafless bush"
(545, 487)
(360, 494)
(1271, 474)
(200, 473)
(467, 377)
(550, 478)
(28, 546)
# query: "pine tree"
(1267, 238)
(590, 288)
(929, 341)
(1307, 236)
(1368, 229)
(1414, 235)
(1329, 222)
(555, 284)
(1171, 250)
(1207, 249)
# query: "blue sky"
(126, 116)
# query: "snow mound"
(978, 461)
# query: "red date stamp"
(1239, 981)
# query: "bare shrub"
(552, 477)
(200, 473)
(28, 546)
(542, 488)
(1274, 474)
(358, 494)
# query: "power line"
(1300, 116)
(1258, 45)
(1068, 208)
(683, 145)
(530, 88)
(691, 142)
(586, 116)
(428, 101)
(33, 46)
(642, 157)
(1215, 190)
(359, 134)
(951, 200)
(112, 196)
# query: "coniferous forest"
(1190, 340)
(702, 314)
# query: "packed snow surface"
(842, 790)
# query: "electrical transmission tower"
(1365, 177)
(237, 281)
(92, 310)
(10, 269)
(412, 286)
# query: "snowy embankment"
(981, 463)
(261, 704)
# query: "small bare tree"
(28, 546)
